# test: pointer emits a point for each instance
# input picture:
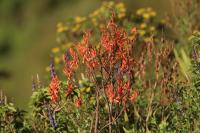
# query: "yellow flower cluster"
(104, 11)
(61, 27)
(121, 9)
(146, 13)
(146, 26)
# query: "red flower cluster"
(53, 88)
(122, 93)
(113, 58)
(117, 62)
(70, 65)
(88, 54)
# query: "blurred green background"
(28, 32)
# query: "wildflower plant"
(117, 83)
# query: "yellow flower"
(140, 11)
(143, 26)
(142, 32)
(108, 4)
(79, 19)
(88, 89)
(82, 89)
(61, 27)
(120, 5)
(67, 45)
(55, 50)
(57, 60)
(146, 16)
(92, 100)
(153, 14)
(76, 27)
(195, 32)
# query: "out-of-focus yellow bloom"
(88, 89)
(79, 19)
(66, 46)
(102, 10)
(140, 11)
(92, 100)
(143, 26)
(61, 27)
(152, 28)
(120, 5)
(108, 4)
(196, 32)
(82, 89)
(95, 13)
(142, 32)
(146, 15)
(153, 13)
(47, 68)
(57, 60)
(55, 50)
(76, 27)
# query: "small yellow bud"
(55, 50)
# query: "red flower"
(107, 43)
(70, 65)
(125, 63)
(110, 93)
(120, 87)
(69, 89)
(78, 102)
(74, 62)
(68, 72)
(53, 88)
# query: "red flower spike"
(69, 89)
(110, 93)
(68, 72)
(74, 62)
(124, 65)
(53, 88)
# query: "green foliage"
(12, 119)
